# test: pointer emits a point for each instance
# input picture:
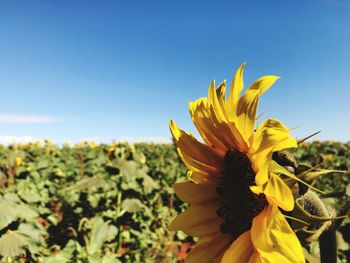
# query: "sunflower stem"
(328, 242)
(328, 246)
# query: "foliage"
(112, 203)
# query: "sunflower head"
(236, 191)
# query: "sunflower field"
(113, 203)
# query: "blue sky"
(121, 69)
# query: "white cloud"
(145, 140)
(16, 139)
(15, 118)
(91, 139)
(6, 140)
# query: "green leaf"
(148, 183)
(65, 255)
(132, 205)
(26, 212)
(139, 157)
(86, 183)
(28, 192)
(34, 234)
(42, 164)
(101, 232)
(12, 244)
(110, 258)
(129, 168)
(8, 214)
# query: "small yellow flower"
(92, 144)
(83, 144)
(111, 148)
(236, 193)
(48, 142)
(37, 144)
(68, 145)
(18, 161)
(47, 149)
(328, 157)
(132, 147)
(59, 172)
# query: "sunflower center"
(240, 205)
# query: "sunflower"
(235, 192)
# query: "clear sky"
(121, 69)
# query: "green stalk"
(119, 207)
(327, 241)
(328, 246)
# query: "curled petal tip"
(174, 130)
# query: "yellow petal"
(261, 165)
(225, 131)
(278, 169)
(218, 116)
(208, 248)
(246, 112)
(278, 193)
(203, 178)
(198, 166)
(207, 228)
(221, 97)
(271, 136)
(247, 105)
(255, 258)
(240, 142)
(286, 144)
(196, 156)
(274, 239)
(214, 101)
(235, 90)
(196, 214)
(263, 84)
(175, 131)
(201, 117)
(257, 189)
(193, 193)
(241, 249)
